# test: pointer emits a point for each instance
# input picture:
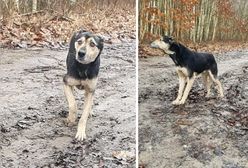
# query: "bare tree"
(196, 20)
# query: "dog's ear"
(171, 40)
(100, 40)
(79, 32)
(82, 30)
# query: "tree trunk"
(34, 5)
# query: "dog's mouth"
(81, 58)
(157, 44)
(81, 54)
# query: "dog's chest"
(83, 74)
(88, 84)
(182, 70)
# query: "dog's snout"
(81, 53)
(82, 50)
(154, 45)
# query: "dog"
(189, 64)
(83, 63)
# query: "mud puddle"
(203, 133)
(33, 107)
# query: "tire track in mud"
(33, 108)
(205, 132)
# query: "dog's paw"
(178, 102)
(207, 96)
(70, 122)
(80, 135)
(181, 102)
(92, 114)
(220, 95)
(175, 102)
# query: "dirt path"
(203, 133)
(33, 107)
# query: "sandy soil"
(33, 107)
(203, 133)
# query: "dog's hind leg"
(208, 82)
(182, 82)
(217, 82)
(189, 85)
(72, 104)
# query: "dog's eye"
(80, 42)
(92, 44)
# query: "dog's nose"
(81, 53)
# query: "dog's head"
(88, 46)
(164, 43)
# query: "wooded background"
(27, 23)
(8, 7)
(194, 20)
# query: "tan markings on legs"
(182, 82)
(72, 104)
(208, 82)
(217, 82)
(90, 86)
(189, 85)
(83, 120)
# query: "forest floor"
(33, 108)
(203, 133)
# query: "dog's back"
(200, 62)
(194, 61)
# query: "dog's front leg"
(182, 82)
(72, 104)
(83, 120)
(189, 85)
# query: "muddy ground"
(203, 133)
(33, 108)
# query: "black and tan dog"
(83, 62)
(189, 64)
